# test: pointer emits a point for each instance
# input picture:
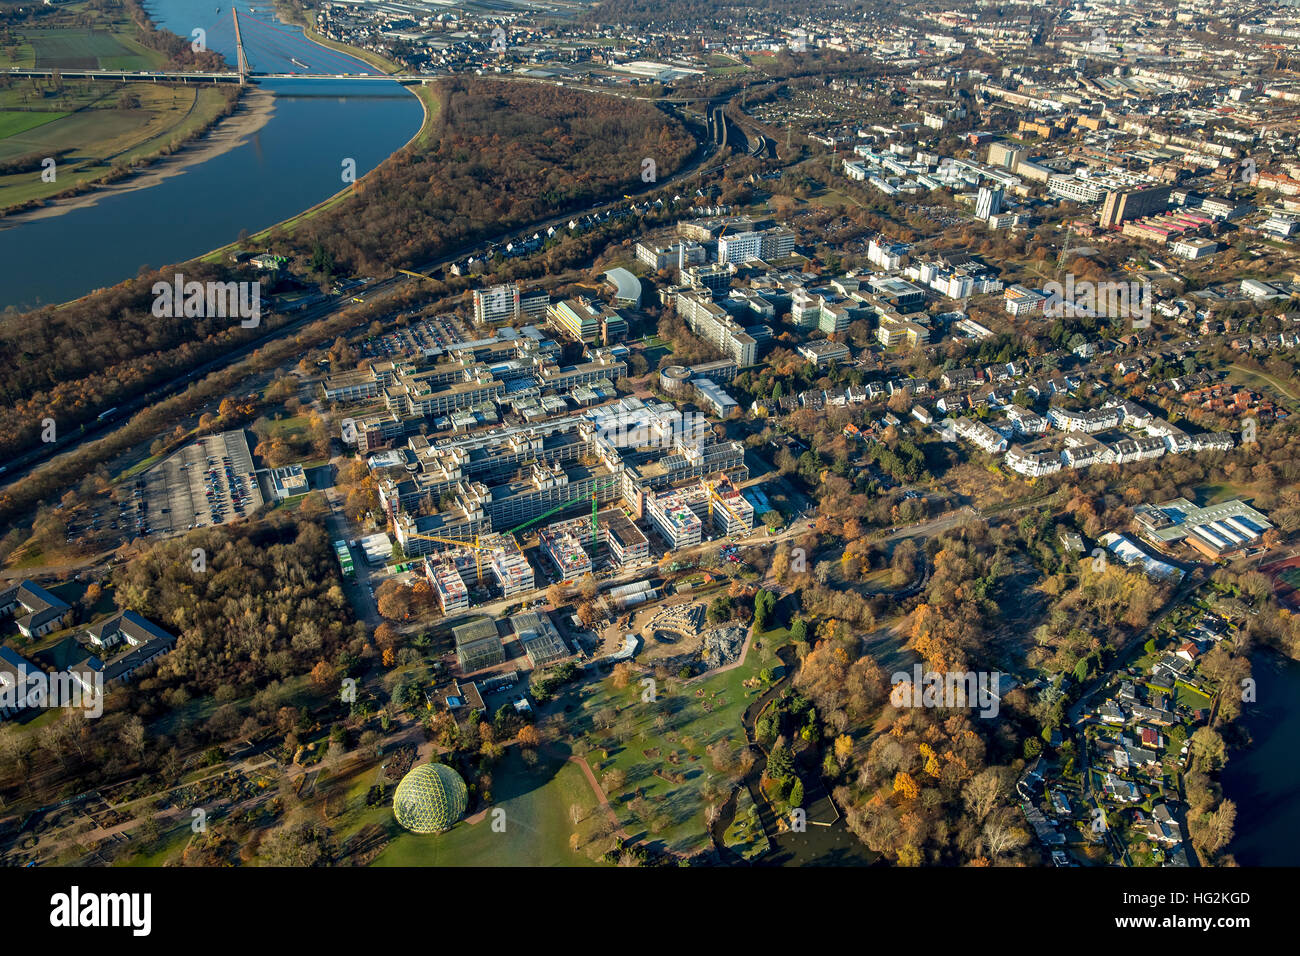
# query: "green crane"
(565, 504)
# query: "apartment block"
(713, 324)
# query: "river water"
(293, 162)
(1264, 779)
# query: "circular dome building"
(431, 798)
(675, 379)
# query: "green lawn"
(537, 825)
(13, 122)
(670, 735)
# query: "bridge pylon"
(241, 57)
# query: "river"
(1264, 779)
(291, 163)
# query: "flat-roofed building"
(1021, 301)
(1125, 204)
(721, 504)
(448, 585)
(824, 352)
(714, 278)
(895, 330)
(672, 517)
(497, 304)
(713, 324)
(581, 318)
(678, 255)
(626, 542)
(513, 573)
(714, 396)
(564, 546)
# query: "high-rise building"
(500, 303)
(1124, 204)
(713, 324)
(988, 202)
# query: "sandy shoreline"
(255, 110)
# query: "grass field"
(14, 123)
(670, 735)
(71, 48)
(91, 131)
(537, 825)
(91, 128)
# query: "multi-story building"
(1032, 464)
(714, 278)
(1125, 204)
(562, 543)
(513, 573)
(1022, 301)
(721, 504)
(1089, 421)
(497, 304)
(894, 330)
(580, 318)
(824, 352)
(980, 435)
(988, 202)
(670, 515)
(740, 247)
(716, 326)
(678, 255)
(885, 253)
(625, 541)
(448, 586)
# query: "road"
(21, 465)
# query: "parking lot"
(209, 481)
(432, 332)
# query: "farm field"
(91, 130)
(88, 49)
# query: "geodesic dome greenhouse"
(430, 798)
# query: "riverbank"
(253, 112)
(429, 106)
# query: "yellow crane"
(713, 493)
(416, 275)
(474, 546)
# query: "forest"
(501, 155)
(504, 155)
